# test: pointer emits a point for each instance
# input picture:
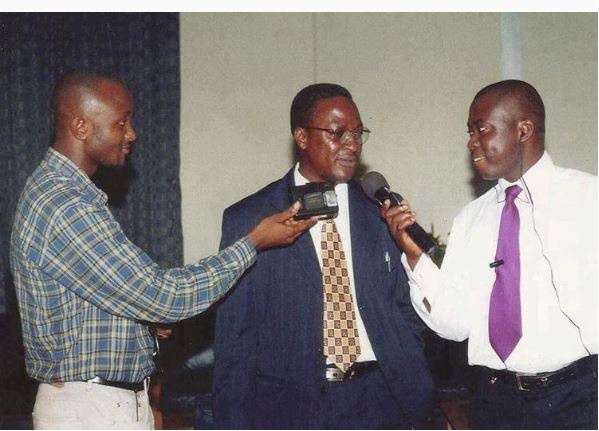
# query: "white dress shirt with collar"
(558, 284)
(342, 223)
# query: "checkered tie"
(341, 341)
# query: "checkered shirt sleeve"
(83, 288)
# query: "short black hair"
(526, 96)
(303, 103)
(80, 78)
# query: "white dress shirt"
(342, 223)
(558, 261)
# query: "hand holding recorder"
(279, 229)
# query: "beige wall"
(559, 53)
(412, 76)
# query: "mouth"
(126, 149)
(347, 162)
(478, 159)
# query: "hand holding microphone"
(400, 219)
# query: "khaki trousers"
(86, 405)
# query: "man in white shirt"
(519, 279)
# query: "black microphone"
(376, 188)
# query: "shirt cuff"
(423, 279)
(244, 248)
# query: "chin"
(484, 173)
(343, 177)
(340, 179)
(487, 176)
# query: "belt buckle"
(519, 383)
(98, 380)
(351, 373)
(334, 374)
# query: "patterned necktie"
(341, 342)
(505, 318)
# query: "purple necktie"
(505, 318)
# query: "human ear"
(301, 140)
(526, 129)
(79, 128)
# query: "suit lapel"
(304, 252)
(303, 249)
(364, 236)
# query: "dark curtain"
(143, 50)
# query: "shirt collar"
(69, 169)
(340, 189)
(534, 182)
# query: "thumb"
(289, 212)
(385, 208)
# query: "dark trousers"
(363, 403)
(572, 404)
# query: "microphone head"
(373, 182)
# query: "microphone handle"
(421, 238)
(415, 231)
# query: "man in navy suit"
(271, 370)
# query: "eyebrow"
(478, 120)
(345, 126)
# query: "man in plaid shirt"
(83, 288)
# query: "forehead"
(114, 95)
(336, 109)
(490, 107)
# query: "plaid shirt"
(83, 287)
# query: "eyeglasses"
(343, 135)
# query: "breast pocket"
(388, 262)
(269, 386)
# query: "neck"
(529, 156)
(531, 160)
(72, 152)
(310, 176)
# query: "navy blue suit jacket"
(269, 369)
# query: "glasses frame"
(347, 134)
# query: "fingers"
(403, 208)
(163, 333)
(287, 214)
(398, 218)
(280, 228)
(401, 222)
(299, 226)
(406, 210)
(311, 222)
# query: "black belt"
(136, 387)
(357, 369)
(527, 382)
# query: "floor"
(456, 412)
(176, 421)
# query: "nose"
(131, 135)
(472, 142)
(353, 142)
